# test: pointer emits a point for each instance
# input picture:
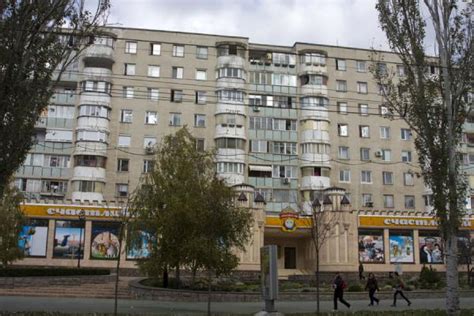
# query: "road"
(148, 307)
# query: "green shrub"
(355, 288)
(429, 279)
(53, 271)
(285, 286)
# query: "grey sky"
(281, 22)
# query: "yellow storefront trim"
(70, 211)
(274, 221)
(406, 222)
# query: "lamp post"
(82, 219)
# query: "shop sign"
(406, 222)
(288, 218)
(70, 211)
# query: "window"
(58, 161)
(93, 110)
(381, 68)
(384, 132)
(284, 125)
(313, 59)
(342, 130)
(367, 200)
(384, 111)
(344, 176)
(124, 141)
(91, 86)
(341, 64)
(387, 177)
(284, 148)
(155, 49)
(365, 154)
(200, 144)
(259, 146)
(230, 143)
(366, 176)
(176, 95)
(149, 142)
(153, 94)
(364, 109)
(401, 70)
(279, 79)
(89, 135)
(405, 134)
(201, 97)
(199, 120)
(388, 201)
(130, 47)
(428, 199)
(201, 52)
(122, 190)
(285, 171)
(408, 179)
(230, 95)
(128, 92)
(364, 131)
(126, 116)
(362, 87)
(86, 186)
(343, 152)
(153, 71)
(230, 73)
(178, 51)
(122, 165)
(409, 201)
(341, 85)
(178, 72)
(129, 70)
(201, 74)
(386, 154)
(147, 166)
(175, 119)
(151, 117)
(361, 66)
(230, 167)
(406, 156)
(342, 107)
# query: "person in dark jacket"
(339, 285)
(372, 286)
(398, 289)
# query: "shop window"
(290, 258)
(401, 246)
(431, 247)
(371, 246)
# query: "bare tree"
(433, 103)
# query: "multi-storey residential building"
(288, 122)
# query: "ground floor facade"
(383, 241)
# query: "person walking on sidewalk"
(398, 289)
(372, 286)
(339, 285)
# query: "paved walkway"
(85, 305)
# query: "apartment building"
(288, 122)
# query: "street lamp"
(82, 219)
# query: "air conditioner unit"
(378, 154)
(286, 180)
(369, 204)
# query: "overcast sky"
(282, 22)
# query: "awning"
(260, 168)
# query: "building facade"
(290, 124)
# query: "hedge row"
(53, 271)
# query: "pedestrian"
(339, 285)
(398, 289)
(361, 272)
(372, 286)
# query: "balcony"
(97, 73)
(230, 131)
(54, 122)
(99, 54)
(232, 178)
(65, 98)
(315, 160)
(230, 155)
(230, 83)
(67, 75)
(90, 122)
(314, 183)
(44, 172)
(87, 196)
(94, 98)
(89, 173)
(316, 90)
(230, 107)
(314, 112)
(312, 69)
(314, 136)
(90, 148)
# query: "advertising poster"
(401, 248)
(34, 238)
(66, 240)
(105, 241)
(371, 248)
(431, 247)
(141, 247)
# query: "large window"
(371, 246)
(230, 143)
(314, 101)
(230, 167)
(365, 154)
(313, 59)
(315, 80)
(284, 148)
(178, 51)
(401, 247)
(57, 161)
(94, 110)
(90, 161)
(279, 79)
(130, 47)
(96, 86)
(231, 73)
(230, 95)
(259, 146)
(285, 171)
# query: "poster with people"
(401, 248)
(371, 246)
(431, 248)
(69, 240)
(34, 238)
(141, 246)
(105, 241)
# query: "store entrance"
(290, 257)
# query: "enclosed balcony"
(101, 53)
(313, 85)
(314, 136)
(231, 54)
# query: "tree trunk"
(209, 291)
(165, 277)
(452, 274)
(317, 283)
(193, 276)
(177, 276)
(117, 275)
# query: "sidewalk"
(146, 307)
